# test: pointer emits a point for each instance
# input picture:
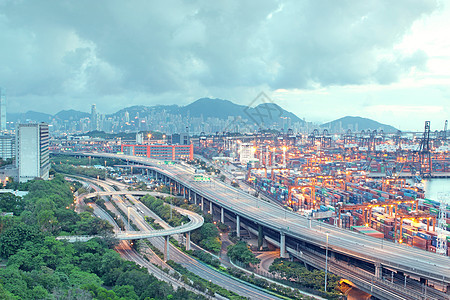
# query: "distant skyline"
(322, 60)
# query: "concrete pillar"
(188, 240)
(195, 198)
(211, 208)
(283, 253)
(189, 192)
(378, 270)
(238, 226)
(222, 217)
(202, 202)
(166, 247)
(184, 192)
(260, 237)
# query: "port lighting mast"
(425, 163)
(441, 242)
(444, 133)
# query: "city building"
(164, 152)
(94, 118)
(181, 138)
(7, 147)
(139, 138)
(246, 153)
(32, 151)
(2, 110)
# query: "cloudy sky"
(388, 60)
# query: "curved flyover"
(195, 221)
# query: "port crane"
(423, 155)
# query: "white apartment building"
(246, 153)
(7, 147)
(32, 152)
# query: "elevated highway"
(293, 231)
(195, 221)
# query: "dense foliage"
(79, 170)
(298, 273)
(41, 267)
(206, 258)
(241, 253)
(163, 211)
(83, 160)
(49, 206)
(4, 162)
(11, 203)
(207, 237)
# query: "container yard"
(370, 183)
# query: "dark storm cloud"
(93, 49)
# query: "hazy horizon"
(383, 60)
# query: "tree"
(11, 203)
(78, 278)
(39, 292)
(208, 237)
(13, 282)
(126, 291)
(141, 281)
(241, 252)
(13, 238)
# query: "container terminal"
(369, 182)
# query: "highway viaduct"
(195, 221)
(381, 268)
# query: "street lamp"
(128, 217)
(326, 263)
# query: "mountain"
(35, 116)
(265, 113)
(214, 108)
(71, 115)
(29, 116)
(357, 124)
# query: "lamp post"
(128, 218)
(326, 263)
(171, 207)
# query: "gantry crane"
(366, 208)
(423, 155)
(417, 216)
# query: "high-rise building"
(32, 151)
(7, 146)
(246, 153)
(2, 110)
(94, 118)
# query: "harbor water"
(436, 187)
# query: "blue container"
(424, 235)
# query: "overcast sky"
(387, 60)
